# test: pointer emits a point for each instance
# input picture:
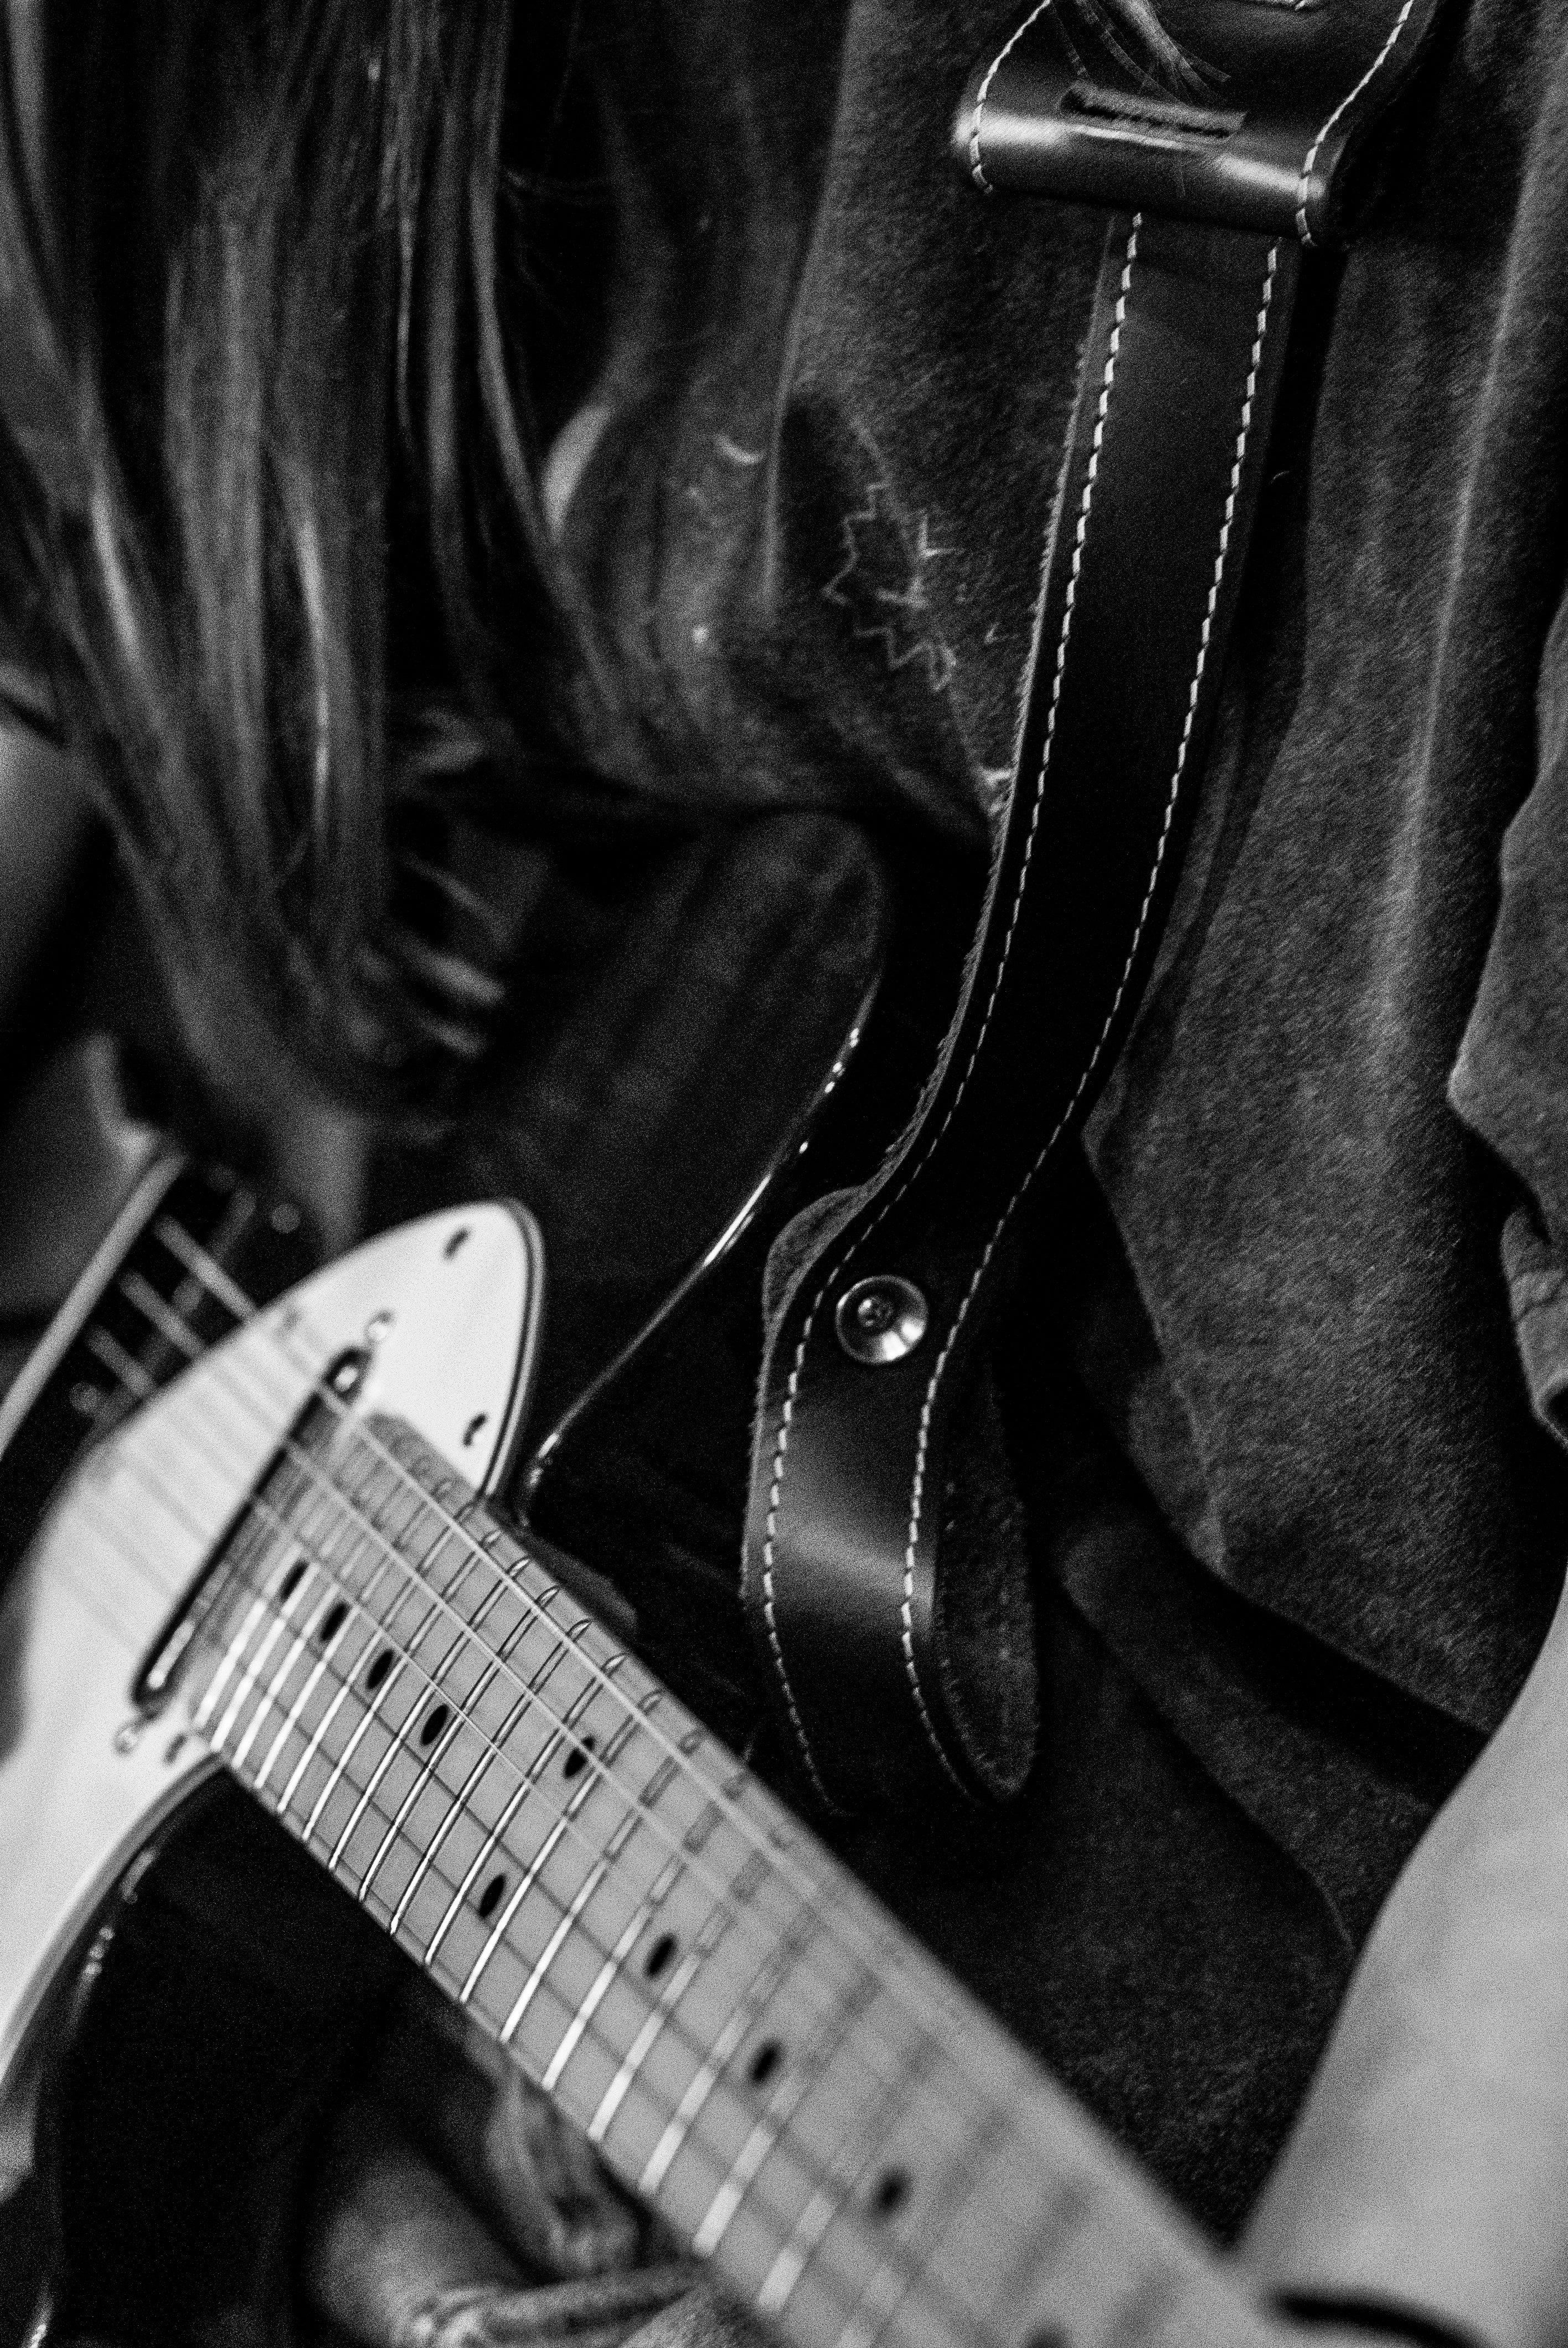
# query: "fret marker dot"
(1051, 2337)
(332, 1622)
(659, 1955)
(765, 2061)
(435, 1721)
(892, 2193)
(491, 1896)
(379, 1668)
(576, 1761)
(292, 1579)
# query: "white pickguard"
(451, 1308)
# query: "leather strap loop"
(1266, 135)
(842, 1576)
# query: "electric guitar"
(290, 1564)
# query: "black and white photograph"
(783, 1173)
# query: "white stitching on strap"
(1205, 637)
(770, 1613)
(781, 1451)
(1304, 190)
(977, 168)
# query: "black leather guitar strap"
(866, 1360)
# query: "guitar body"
(285, 1563)
(89, 1782)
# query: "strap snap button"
(881, 1319)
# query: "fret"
(327, 1661)
(227, 1586)
(682, 2102)
(609, 1971)
(400, 1682)
(409, 1837)
(493, 1844)
(381, 1543)
(558, 1836)
(262, 1604)
(445, 1681)
(460, 1806)
(423, 1778)
(539, 1770)
(868, 2147)
(706, 1819)
(267, 1697)
(314, 1739)
(482, 1860)
(702, 1928)
(497, 1937)
(395, 1754)
(765, 2135)
(631, 2067)
(295, 1551)
(316, 1538)
(847, 2262)
(526, 1741)
(739, 2028)
(271, 1624)
(404, 1664)
(288, 1727)
(454, 1850)
(314, 1744)
(552, 1949)
(880, 2235)
(372, 1717)
(982, 2239)
(723, 2044)
(400, 1520)
(711, 2069)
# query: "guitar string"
(860, 1946)
(633, 1801)
(910, 2262)
(269, 1700)
(414, 1583)
(927, 1995)
(925, 1999)
(423, 1498)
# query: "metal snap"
(881, 1319)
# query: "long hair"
(278, 546)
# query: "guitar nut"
(880, 1320)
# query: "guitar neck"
(753, 2044)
